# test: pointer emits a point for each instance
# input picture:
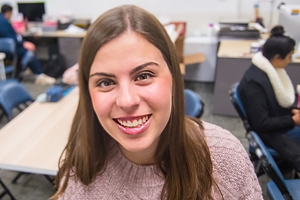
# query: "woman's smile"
(133, 125)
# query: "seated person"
(6, 30)
(268, 96)
(130, 138)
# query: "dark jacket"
(264, 113)
(6, 30)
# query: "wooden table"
(34, 140)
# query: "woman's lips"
(130, 128)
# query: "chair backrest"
(12, 94)
(7, 45)
(268, 163)
(194, 105)
(265, 152)
(238, 105)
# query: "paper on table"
(72, 29)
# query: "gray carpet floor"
(37, 187)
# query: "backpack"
(56, 66)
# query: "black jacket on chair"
(264, 114)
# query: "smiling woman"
(130, 138)
(131, 93)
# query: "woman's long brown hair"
(182, 153)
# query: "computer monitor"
(289, 18)
(32, 11)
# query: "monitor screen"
(32, 11)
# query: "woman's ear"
(276, 60)
(277, 57)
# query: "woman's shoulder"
(255, 74)
(232, 169)
(223, 145)
(225, 148)
(215, 135)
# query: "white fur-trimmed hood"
(281, 82)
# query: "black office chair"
(239, 107)
(279, 188)
(194, 105)
(14, 69)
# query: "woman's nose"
(128, 98)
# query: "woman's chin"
(138, 148)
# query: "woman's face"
(283, 62)
(131, 91)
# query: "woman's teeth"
(135, 123)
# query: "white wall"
(197, 13)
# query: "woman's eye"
(144, 76)
(105, 83)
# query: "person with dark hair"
(6, 10)
(130, 138)
(7, 31)
(269, 95)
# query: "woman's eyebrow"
(103, 74)
(140, 67)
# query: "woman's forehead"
(128, 49)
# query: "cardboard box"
(179, 44)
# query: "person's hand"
(295, 111)
(70, 76)
(296, 119)
(29, 46)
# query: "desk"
(60, 41)
(56, 34)
(34, 140)
(232, 62)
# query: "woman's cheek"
(97, 101)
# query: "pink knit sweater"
(122, 179)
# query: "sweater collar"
(280, 81)
(135, 175)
